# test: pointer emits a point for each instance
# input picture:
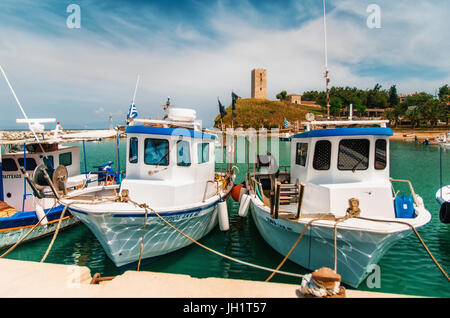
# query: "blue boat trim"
(129, 215)
(22, 219)
(353, 131)
(167, 132)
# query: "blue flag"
(286, 123)
(132, 112)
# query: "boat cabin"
(337, 164)
(343, 163)
(169, 162)
(17, 192)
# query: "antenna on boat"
(327, 78)
(135, 90)
(19, 104)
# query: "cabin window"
(203, 152)
(133, 155)
(30, 162)
(65, 159)
(183, 153)
(9, 164)
(156, 151)
(302, 150)
(380, 154)
(322, 155)
(353, 154)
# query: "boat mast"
(2, 198)
(327, 78)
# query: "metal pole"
(327, 79)
(2, 197)
(440, 169)
(24, 180)
(84, 155)
(118, 157)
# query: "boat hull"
(121, 234)
(356, 254)
(12, 229)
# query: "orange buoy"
(236, 192)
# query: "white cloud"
(82, 73)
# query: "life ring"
(444, 212)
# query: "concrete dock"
(20, 279)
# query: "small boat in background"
(24, 205)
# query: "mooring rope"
(55, 233)
(212, 250)
(418, 236)
(28, 233)
(326, 218)
(142, 239)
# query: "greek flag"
(132, 112)
(286, 123)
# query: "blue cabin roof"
(353, 131)
(168, 132)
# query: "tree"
(413, 115)
(394, 100)
(310, 95)
(358, 106)
(377, 98)
(444, 91)
(335, 105)
(433, 110)
(282, 95)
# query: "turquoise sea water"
(405, 269)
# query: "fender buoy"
(235, 192)
(40, 214)
(224, 223)
(444, 212)
(243, 191)
(245, 203)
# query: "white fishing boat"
(443, 194)
(443, 198)
(339, 181)
(24, 205)
(170, 177)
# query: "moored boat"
(24, 206)
(170, 179)
(339, 188)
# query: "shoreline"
(409, 134)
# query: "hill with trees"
(256, 113)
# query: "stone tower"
(259, 83)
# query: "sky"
(198, 51)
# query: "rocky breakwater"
(24, 135)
